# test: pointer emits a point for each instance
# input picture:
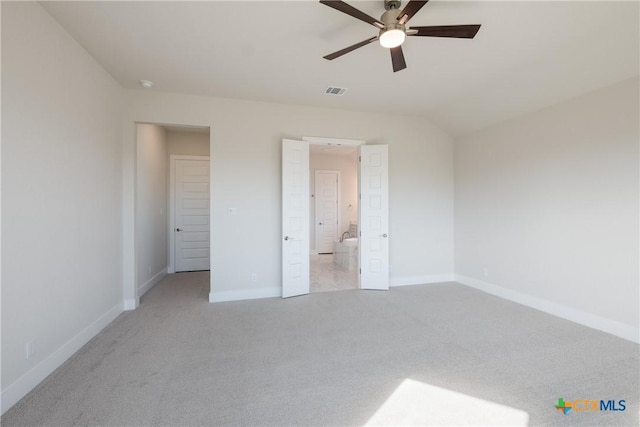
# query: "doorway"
(333, 170)
(373, 214)
(156, 147)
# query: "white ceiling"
(526, 56)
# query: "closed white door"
(191, 198)
(327, 184)
(295, 218)
(373, 254)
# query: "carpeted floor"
(429, 355)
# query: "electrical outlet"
(485, 271)
(254, 277)
(148, 270)
(29, 350)
(232, 211)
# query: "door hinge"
(360, 271)
(360, 158)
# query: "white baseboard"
(420, 280)
(255, 293)
(152, 282)
(23, 385)
(584, 318)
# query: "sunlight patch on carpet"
(417, 403)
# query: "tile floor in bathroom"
(326, 276)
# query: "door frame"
(130, 294)
(172, 205)
(315, 202)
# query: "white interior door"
(327, 185)
(191, 198)
(295, 218)
(373, 254)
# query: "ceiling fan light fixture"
(392, 38)
(393, 28)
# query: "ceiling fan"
(393, 28)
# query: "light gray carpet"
(435, 354)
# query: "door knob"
(384, 235)
(288, 238)
(319, 223)
(178, 229)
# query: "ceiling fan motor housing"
(390, 21)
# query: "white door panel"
(373, 249)
(191, 251)
(295, 218)
(326, 199)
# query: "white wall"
(348, 167)
(61, 197)
(187, 143)
(246, 167)
(548, 203)
(152, 188)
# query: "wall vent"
(333, 90)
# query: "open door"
(295, 218)
(373, 248)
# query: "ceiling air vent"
(332, 90)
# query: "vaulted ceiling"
(526, 56)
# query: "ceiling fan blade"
(409, 10)
(397, 59)
(352, 11)
(456, 31)
(339, 53)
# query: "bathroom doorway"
(333, 213)
(372, 239)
